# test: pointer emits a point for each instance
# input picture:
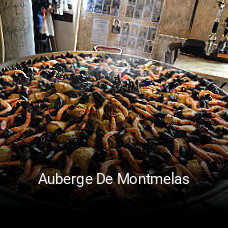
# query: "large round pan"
(32, 203)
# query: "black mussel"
(167, 171)
(225, 116)
(48, 118)
(99, 156)
(41, 127)
(160, 123)
(179, 114)
(5, 83)
(56, 133)
(4, 178)
(206, 97)
(15, 147)
(166, 136)
(24, 80)
(98, 96)
(146, 82)
(44, 86)
(160, 115)
(2, 96)
(27, 106)
(48, 156)
(97, 72)
(7, 133)
(205, 139)
(29, 132)
(84, 98)
(183, 160)
(193, 138)
(58, 103)
(155, 160)
(60, 147)
(35, 150)
(72, 145)
(151, 172)
(25, 154)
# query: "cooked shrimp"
(11, 163)
(176, 149)
(186, 172)
(25, 125)
(138, 134)
(35, 172)
(127, 154)
(105, 166)
(28, 169)
(6, 105)
(113, 122)
(202, 154)
(120, 106)
(217, 149)
(68, 166)
(105, 139)
(61, 111)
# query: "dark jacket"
(37, 6)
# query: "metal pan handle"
(108, 48)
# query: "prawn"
(68, 166)
(201, 153)
(106, 137)
(28, 169)
(138, 134)
(6, 105)
(105, 166)
(25, 125)
(217, 149)
(127, 154)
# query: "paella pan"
(84, 113)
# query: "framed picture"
(134, 30)
(125, 28)
(98, 6)
(158, 6)
(152, 33)
(106, 7)
(90, 6)
(140, 44)
(115, 7)
(130, 11)
(123, 41)
(131, 42)
(143, 32)
(116, 26)
(148, 46)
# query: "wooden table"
(202, 67)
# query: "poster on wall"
(137, 37)
(107, 7)
(100, 31)
(147, 10)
